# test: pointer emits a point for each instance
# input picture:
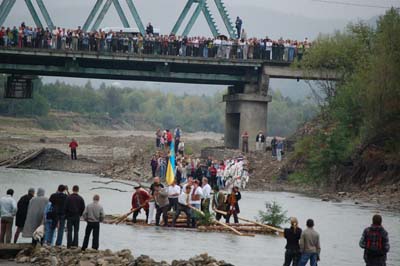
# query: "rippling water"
(339, 224)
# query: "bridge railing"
(143, 46)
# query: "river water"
(339, 224)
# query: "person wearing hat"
(22, 211)
(140, 200)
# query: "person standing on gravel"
(58, 201)
(74, 207)
(8, 209)
(93, 215)
(245, 142)
(73, 145)
(22, 211)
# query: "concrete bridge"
(247, 80)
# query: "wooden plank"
(28, 158)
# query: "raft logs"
(181, 224)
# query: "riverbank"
(126, 155)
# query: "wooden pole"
(125, 216)
(278, 230)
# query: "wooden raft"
(245, 228)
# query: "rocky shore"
(61, 256)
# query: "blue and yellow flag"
(170, 176)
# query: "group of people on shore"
(39, 218)
(153, 44)
(277, 144)
(304, 246)
(191, 197)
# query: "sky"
(288, 15)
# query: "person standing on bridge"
(245, 142)
(149, 29)
(73, 145)
(238, 24)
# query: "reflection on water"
(339, 224)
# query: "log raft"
(244, 228)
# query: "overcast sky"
(163, 13)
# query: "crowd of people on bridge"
(154, 44)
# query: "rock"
(23, 259)
(86, 263)
(54, 261)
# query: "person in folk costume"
(232, 202)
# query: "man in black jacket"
(74, 207)
(58, 201)
(22, 211)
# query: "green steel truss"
(7, 5)
(203, 7)
(101, 8)
(120, 11)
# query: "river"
(339, 224)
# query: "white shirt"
(198, 191)
(174, 190)
(183, 198)
(8, 206)
(206, 191)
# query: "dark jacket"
(292, 238)
(228, 202)
(262, 138)
(372, 237)
(22, 210)
(58, 201)
(74, 205)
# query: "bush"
(274, 216)
(206, 219)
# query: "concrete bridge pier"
(246, 110)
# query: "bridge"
(247, 80)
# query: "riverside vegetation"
(355, 139)
(144, 109)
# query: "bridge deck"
(146, 67)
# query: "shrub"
(274, 215)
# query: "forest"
(166, 110)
